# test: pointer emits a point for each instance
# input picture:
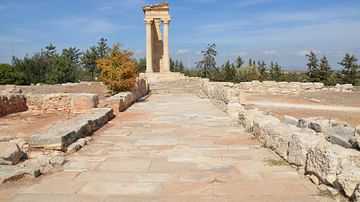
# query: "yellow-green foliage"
(118, 70)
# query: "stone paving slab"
(172, 148)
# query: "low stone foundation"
(331, 164)
(62, 134)
(224, 95)
(123, 100)
(12, 103)
(67, 102)
(324, 150)
(294, 88)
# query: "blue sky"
(272, 30)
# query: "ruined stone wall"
(326, 151)
(67, 102)
(12, 103)
(286, 88)
(224, 95)
(124, 100)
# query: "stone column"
(148, 23)
(166, 57)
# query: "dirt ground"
(24, 124)
(331, 99)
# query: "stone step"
(179, 86)
(63, 133)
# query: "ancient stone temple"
(157, 20)
(157, 43)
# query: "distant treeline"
(50, 67)
(239, 70)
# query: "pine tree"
(239, 62)
(73, 54)
(275, 71)
(181, 67)
(324, 70)
(262, 70)
(50, 50)
(229, 72)
(102, 48)
(207, 65)
(350, 70)
(88, 60)
(313, 67)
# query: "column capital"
(166, 20)
(148, 21)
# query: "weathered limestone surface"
(223, 95)
(8, 173)
(83, 102)
(68, 102)
(342, 135)
(10, 153)
(64, 133)
(12, 101)
(123, 100)
(299, 146)
(289, 88)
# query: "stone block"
(277, 137)
(246, 118)
(320, 125)
(299, 145)
(83, 101)
(64, 133)
(283, 84)
(8, 173)
(270, 84)
(348, 174)
(10, 152)
(342, 135)
(57, 102)
(323, 160)
(318, 86)
(259, 121)
(290, 120)
(307, 86)
(12, 103)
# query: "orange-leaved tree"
(118, 70)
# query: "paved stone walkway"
(172, 148)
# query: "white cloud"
(241, 53)
(182, 51)
(270, 52)
(303, 53)
(11, 40)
